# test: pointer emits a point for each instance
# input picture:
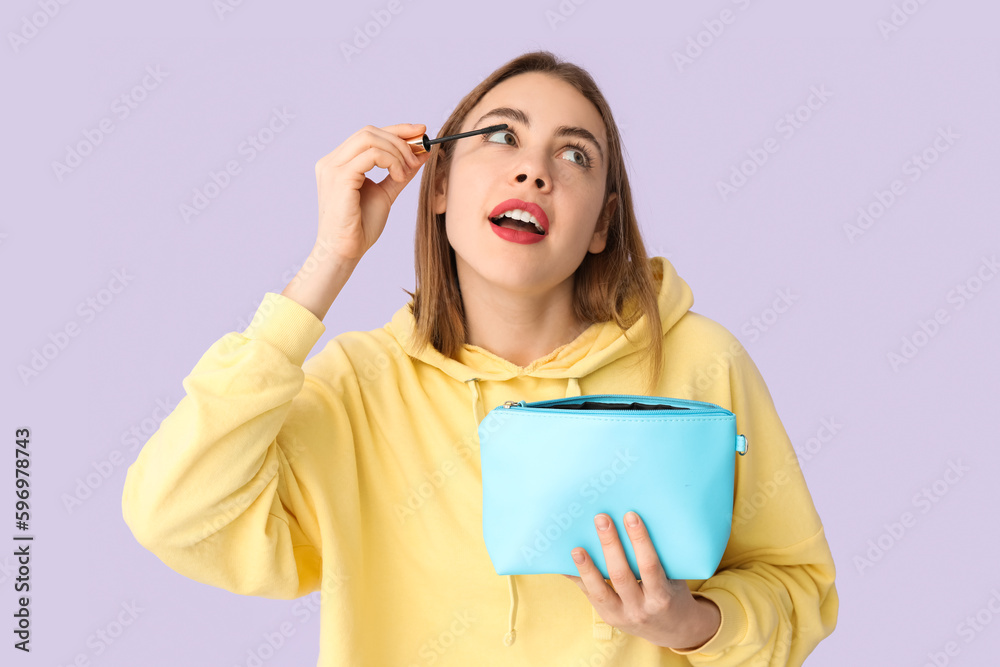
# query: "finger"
(602, 596)
(619, 571)
(376, 157)
(651, 571)
(399, 134)
(577, 581)
(370, 137)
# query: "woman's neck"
(517, 327)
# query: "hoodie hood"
(599, 345)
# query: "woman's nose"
(521, 178)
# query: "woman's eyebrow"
(520, 116)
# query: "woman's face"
(535, 161)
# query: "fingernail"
(631, 519)
(578, 556)
(602, 522)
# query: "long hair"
(615, 284)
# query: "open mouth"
(504, 220)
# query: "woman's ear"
(440, 196)
(600, 238)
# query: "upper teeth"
(523, 216)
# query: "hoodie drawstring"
(477, 400)
(511, 635)
(601, 629)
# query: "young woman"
(356, 473)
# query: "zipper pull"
(508, 404)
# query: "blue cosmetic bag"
(549, 466)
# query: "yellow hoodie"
(356, 474)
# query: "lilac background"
(685, 128)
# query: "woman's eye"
(583, 156)
(583, 160)
(505, 132)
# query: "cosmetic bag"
(549, 467)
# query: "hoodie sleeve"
(217, 492)
(775, 585)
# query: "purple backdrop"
(819, 174)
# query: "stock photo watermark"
(758, 324)
(248, 149)
(927, 329)
(714, 28)
(59, 340)
(364, 34)
(765, 491)
(304, 610)
(101, 470)
(715, 370)
(899, 16)
(418, 496)
(590, 491)
(562, 12)
(105, 637)
(924, 500)
(435, 647)
(914, 167)
(971, 627)
(32, 24)
(122, 107)
(224, 7)
(786, 126)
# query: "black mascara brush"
(423, 144)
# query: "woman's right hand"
(353, 209)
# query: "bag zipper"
(631, 397)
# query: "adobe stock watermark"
(232, 508)
(33, 24)
(924, 500)
(293, 275)
(958, 296)
(223, 8)
(466, 448)
(303, 610)
(590, 491)
(365, 33)
(104, 638)
(748, 505)
(101, 470)
(435, 647)
(900, 15)
(970, 628)
(714, 28)
(787, 126)
(711, 372)
(914, 167)
(254, 144)
(562, 12)
(59, 340)
(121, 108)
(758, 324)
(782, 646)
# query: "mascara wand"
(423, 144)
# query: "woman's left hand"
(658, 609)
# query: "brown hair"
(615, 284)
